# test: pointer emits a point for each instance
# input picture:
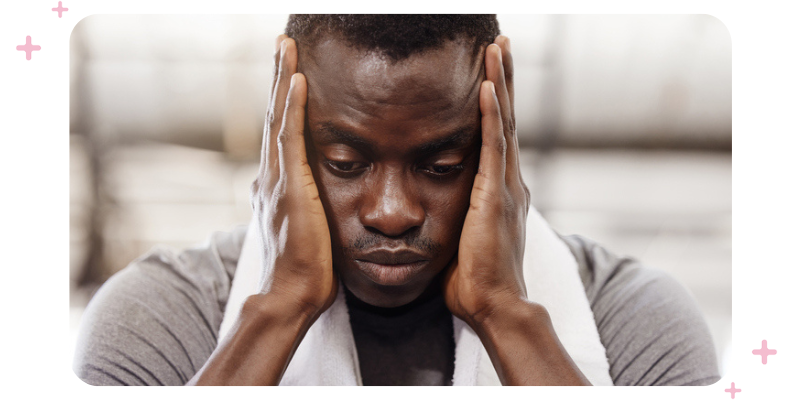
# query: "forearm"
(524, 348)
(259, 346)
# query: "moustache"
(417, 241)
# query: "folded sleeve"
(156, 321)
(651, 327)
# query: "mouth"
(391, 268)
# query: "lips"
(392, 257)
(391, 267)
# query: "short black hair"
(396, 36)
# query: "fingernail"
(294, 78)
(492, 85)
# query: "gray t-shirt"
(156, 322)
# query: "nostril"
(393, 208)
(412, 231)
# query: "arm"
(260, 345)
(524, 348)
(156, 321)
(653, 331)
(295, 234)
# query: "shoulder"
(651, 327)
(156, 321)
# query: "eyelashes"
(346, 167)
(351, 169)
(443, 170)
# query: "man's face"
(394, 149)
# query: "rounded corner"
(82, 380)
(77, 24)
(723, 24)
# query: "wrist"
(525, 349)
(269, 310)
(260, 345)
(515, 315)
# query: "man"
(390, 173)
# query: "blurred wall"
(641, 81)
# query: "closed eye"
(442, 170)
(346, 168)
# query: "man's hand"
(487, 273)
(297, 246)
(484, 285)
(286, 201)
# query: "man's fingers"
(508, 67)
(495, 71)
(291, 144)
(265, 138)
(276, 67)
(492, 165)
(287, 67)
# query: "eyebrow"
(460, 137)
(332, 134)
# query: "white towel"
(327, 355)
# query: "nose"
(393, 207)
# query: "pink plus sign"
(60, 9)
(764, 352)
(733, 390)
(28, 47)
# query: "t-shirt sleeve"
(651, 327)
(156, 321)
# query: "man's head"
(393, 136)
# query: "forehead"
(433, 91)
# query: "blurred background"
(624, 124)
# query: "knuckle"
(510, 205)
(473, 207)
(309, 184)
(255, 188)
(512, 125)
(284, 138)
(500, 145)
(272, 120)
(527, 195)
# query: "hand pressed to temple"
(286, 201)
(484, 285)
(297, 245)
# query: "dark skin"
(394, 168)
(402, 180)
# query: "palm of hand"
(286, 200)
(487, 271)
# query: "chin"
(386, 296)
(379, 294)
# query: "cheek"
(340, 200)
(447, 205)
